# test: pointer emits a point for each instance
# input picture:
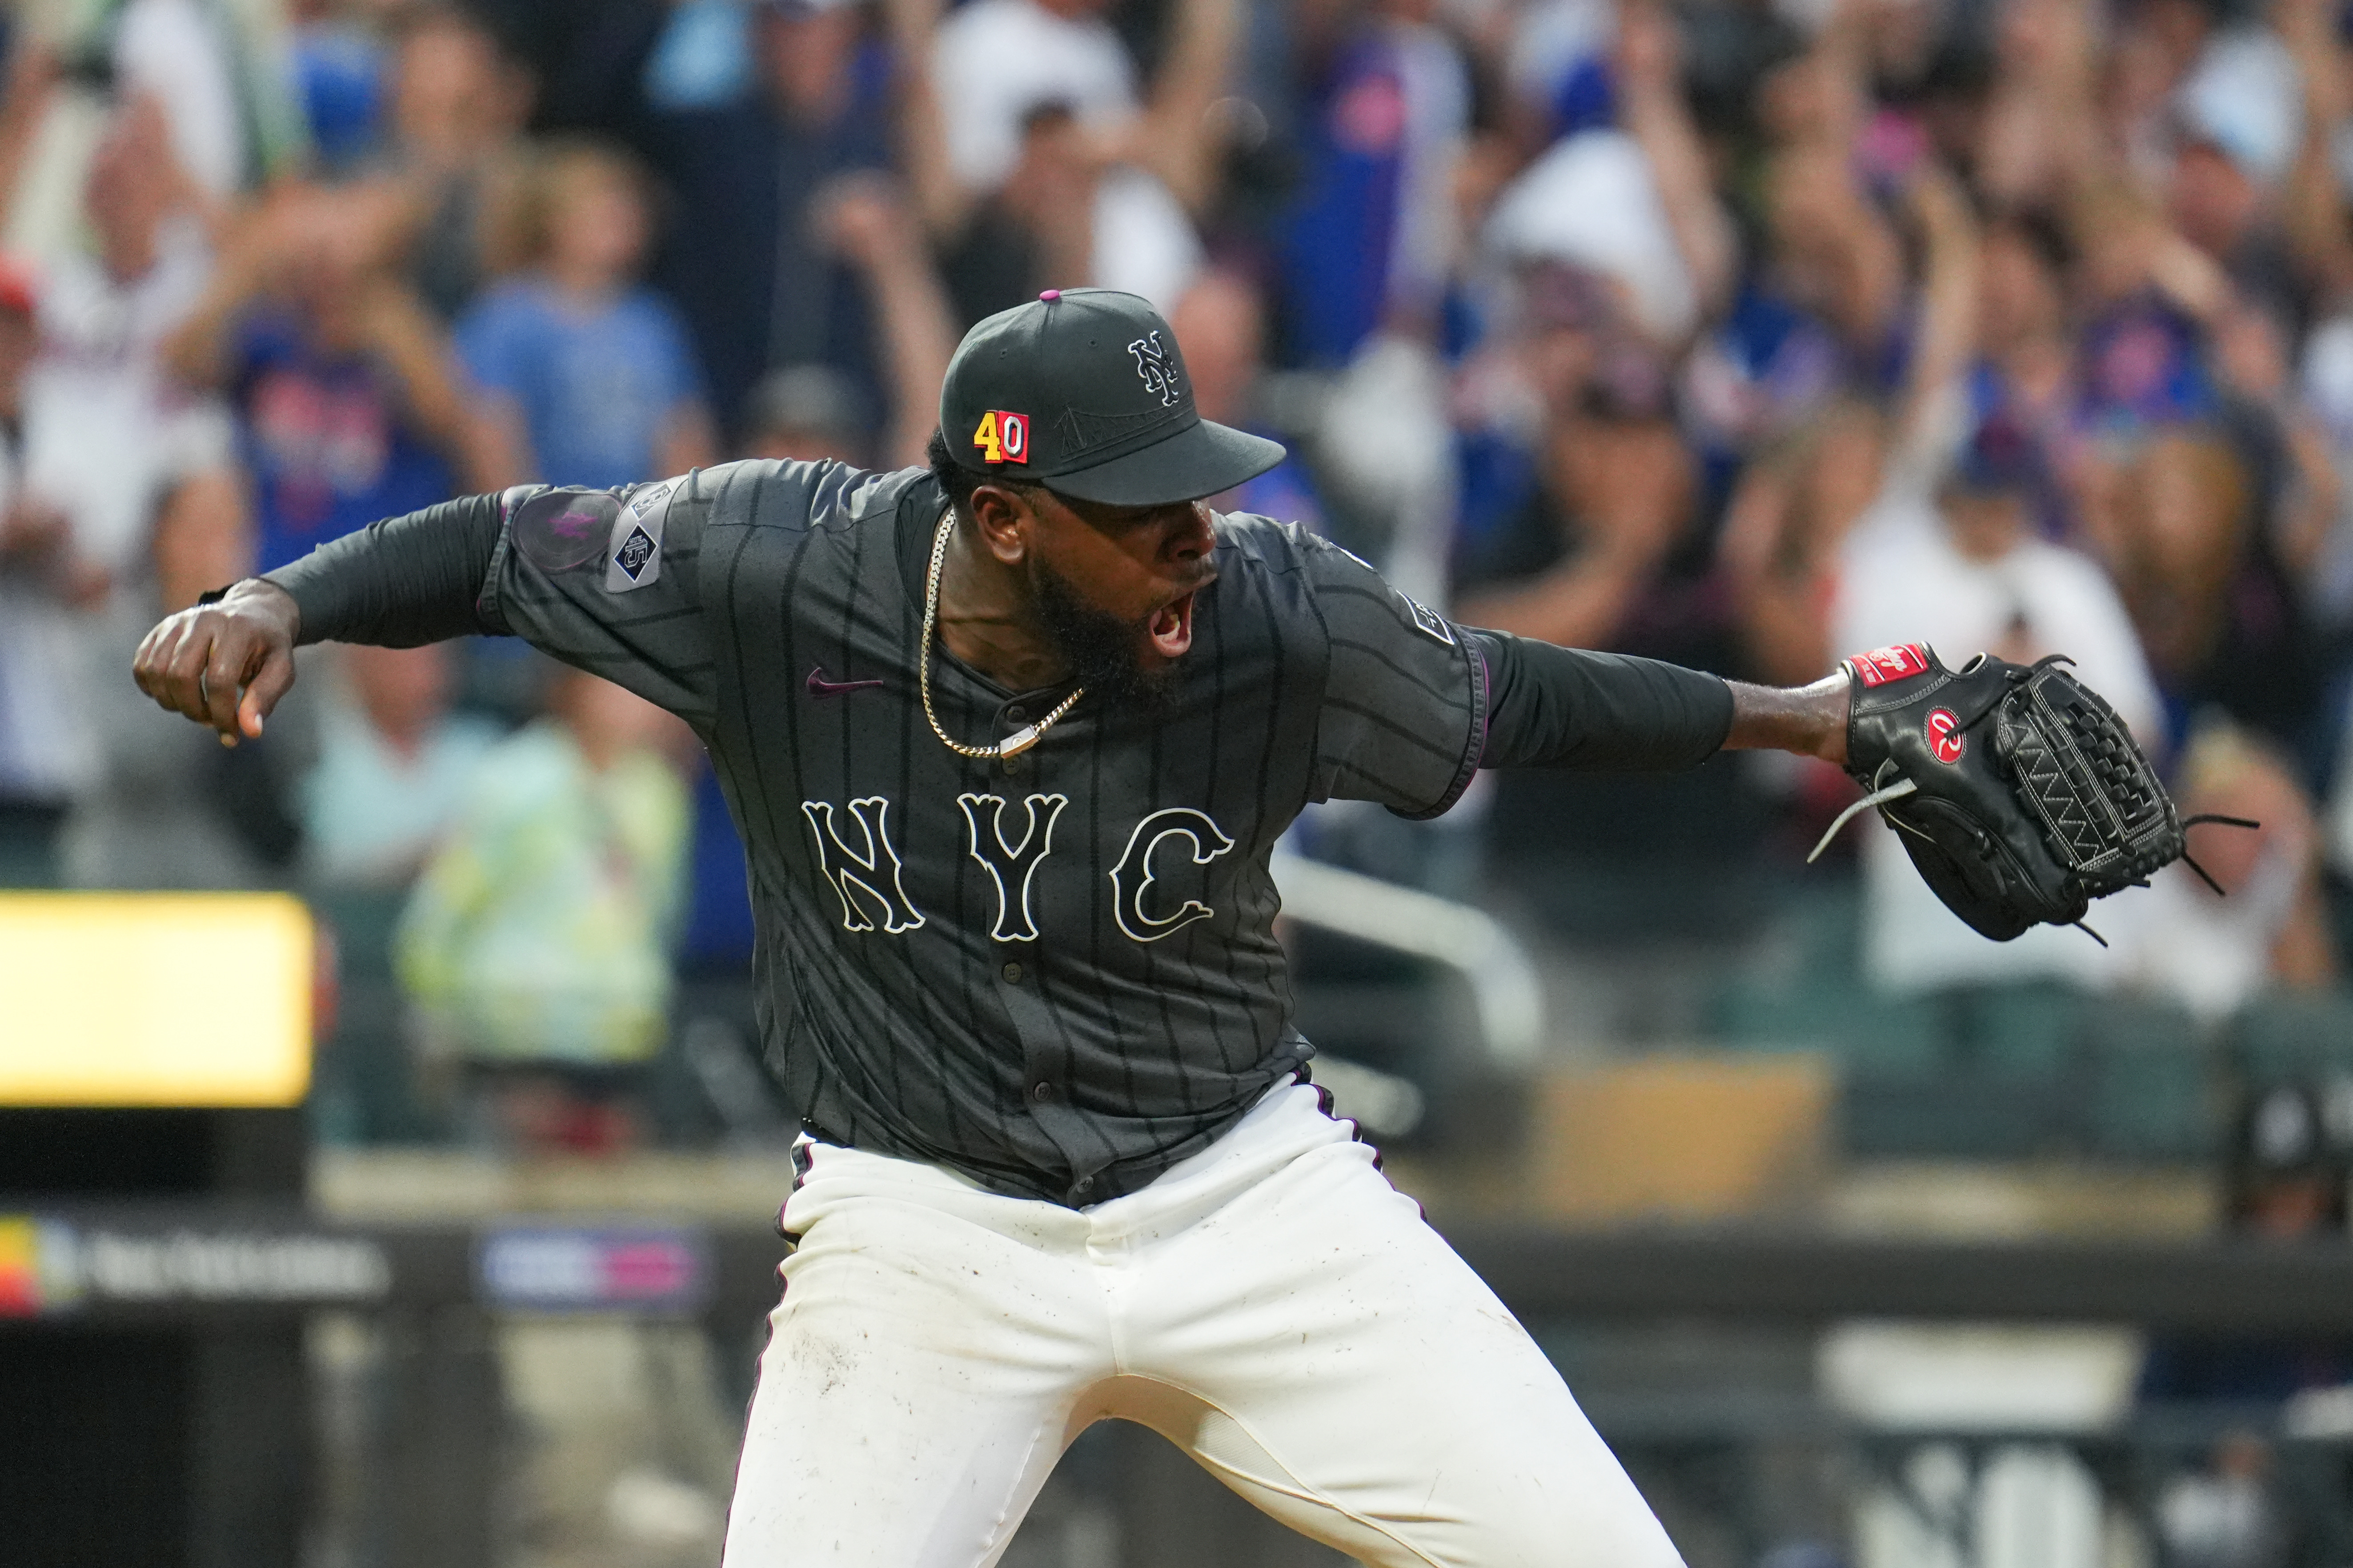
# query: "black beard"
(1100, 647)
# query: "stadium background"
(1742, 334)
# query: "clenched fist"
(224, 664)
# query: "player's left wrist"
(1809, 721)
(1834, 695)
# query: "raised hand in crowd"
(36, 541)
(921, 132)
(1176, 138)
(1946, 337)
(28, 89)
(1832, 248)
(1050, 194)
(2040, 136)
(868, 221)
(1792, 509)
(1629, 486)
(1649, 77)
(2313, 207)
(454, 149)
(323, 255)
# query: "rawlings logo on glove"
(1946, 741)
(2019, 794)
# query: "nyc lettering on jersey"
(780, 614)
(865, 873)
(864, 865)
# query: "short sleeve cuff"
(1474, 744)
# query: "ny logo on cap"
(1153, 363)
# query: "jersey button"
(1084, 1185)
(1041, 1092)
(1012, 974)
(1017, 714)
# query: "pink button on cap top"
(1049, 296)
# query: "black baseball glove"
(2019, 794)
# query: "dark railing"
(436, 1292)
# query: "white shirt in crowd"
(2213, 954)
(48, 753)
(107, 434)
(179, 50)
(106, 437)
(1591, 200)
(997, 60)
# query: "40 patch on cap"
(1003, 436)
(1105, 409)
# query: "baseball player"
(1010, 741)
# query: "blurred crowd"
(1746, 332)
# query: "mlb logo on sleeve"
(637, 553)
(1003, 436)
(633, 560)
(1428, 622)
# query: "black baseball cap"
(1083, 390)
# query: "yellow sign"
(20, 1267)
(155, 999)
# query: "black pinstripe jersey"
(1057, 974)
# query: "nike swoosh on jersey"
(821, 686)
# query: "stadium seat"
(2153, 1085)
(2292, 1035)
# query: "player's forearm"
(1661, 125)
(1811, 720)
(196, 352)
(1179, 145)
(400, 583)
(941, 200)
(919, 338)
(1568, 708)
(408, 345)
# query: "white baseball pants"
(1272, 1305)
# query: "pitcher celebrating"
(1009, 741)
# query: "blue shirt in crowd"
(326, 441)
(742, 257)
(1334, 244)
(593, 385)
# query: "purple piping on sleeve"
(1487, 714)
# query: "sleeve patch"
(1426, 620)
(634, 551)
(559, 530)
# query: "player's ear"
(1003, 517)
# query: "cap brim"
(1203, 461)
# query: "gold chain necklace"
(1019, 741)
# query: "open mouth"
(1171, 628)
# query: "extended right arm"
(532, 562)
(403, 582)
(397, 583)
